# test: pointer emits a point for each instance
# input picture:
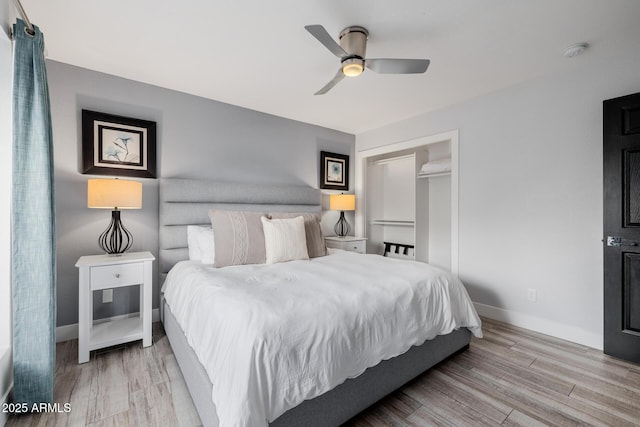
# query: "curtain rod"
(24, 16)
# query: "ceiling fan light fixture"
(352, 67)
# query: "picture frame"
(334, 171)
(118, 145)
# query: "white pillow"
(284, 239)
(200, 242)
(436, 166)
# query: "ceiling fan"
(351, 51)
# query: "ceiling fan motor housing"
(354, 41)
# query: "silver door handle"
(619, 241)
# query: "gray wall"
(197, 138)
(530, 192)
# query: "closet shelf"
(433, 175)
(393, 223)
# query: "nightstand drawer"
(349, 243)
(358, 246)
(110, 276)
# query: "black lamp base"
(342, 227)
(115, 239)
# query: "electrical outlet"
(532, 295)
(107, 295)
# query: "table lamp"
(342, 202)
(114, 194)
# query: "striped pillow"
(284, 239)
(312, 229)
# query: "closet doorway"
(407, 192)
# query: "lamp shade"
(342, 202)
(114, 194)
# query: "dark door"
(621, 149)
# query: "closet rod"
(24, 17)
(393, 159)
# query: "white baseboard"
(4, 416)
(544, 326)
(70, 332)
(5, 372)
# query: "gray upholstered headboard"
(188, 201)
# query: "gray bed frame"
(186, 201)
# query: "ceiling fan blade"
(397, 66)
(336, 79)
(323, 37)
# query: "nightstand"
(98, 272)
(347, 243)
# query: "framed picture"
(116, 145)
(334, 171)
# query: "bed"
(185, 202)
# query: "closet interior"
(408, 202)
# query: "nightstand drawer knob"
(106, 276)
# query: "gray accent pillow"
(238, 237)
(312, 229)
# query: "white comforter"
(271, 336)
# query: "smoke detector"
(575, 50)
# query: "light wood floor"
(512, 377)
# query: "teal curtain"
(33, 224)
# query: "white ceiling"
(257, 54)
